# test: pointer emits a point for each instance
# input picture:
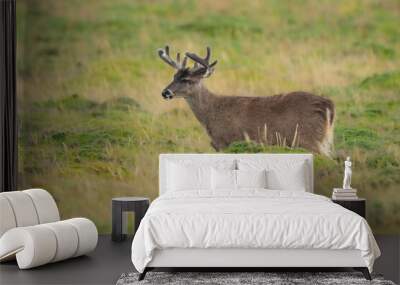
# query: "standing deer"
(297, 119)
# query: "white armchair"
(31, 230)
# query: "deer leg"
(364, 271)
(215, 146)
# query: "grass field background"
(92, 120)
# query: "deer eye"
(187, 81)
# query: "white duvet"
(250, 219)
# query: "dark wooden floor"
(103, 266)
(110, 260)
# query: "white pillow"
(188, 177)
(281, 174)
(251, 178)
(226, 179)
(223, 179)
(184, 174)
(294, 179)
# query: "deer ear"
(210, 69)
(200, 72)
(208, 73)
(213, 64)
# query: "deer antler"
(164, 55)
(205, 62)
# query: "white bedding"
(250, 219)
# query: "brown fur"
(232, 118)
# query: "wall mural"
(297, 119)
(97, 104)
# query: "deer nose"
(167, 94)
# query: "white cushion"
(23, 208)
(33, 246)
(223, 179)
(87, 233)
(191, 174)
(45, 205)
(26, 208)
(230, 180)
(188, 177)
(251, 178)
(7, 218)
(40, 244)
(288, 175)
(67, 240)
(293, 178)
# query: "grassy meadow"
(92, 119)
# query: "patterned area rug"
(230, 278)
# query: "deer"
(296, 119)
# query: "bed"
(247, 210)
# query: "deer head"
(186, 80)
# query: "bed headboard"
(204, 157)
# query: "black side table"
(138, 205)
(356, 205)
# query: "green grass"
(92, 120)
(387, 80)
(363, 138)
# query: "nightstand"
(356, 205)
(138, 205)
